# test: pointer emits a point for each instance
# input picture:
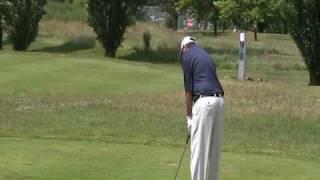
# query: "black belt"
(195, 97)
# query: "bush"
(171, 22)
(22, 21)
(146, 40)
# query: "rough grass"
(63, 29)
(79, 98)
(66, 11)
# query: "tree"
(228, 11)
(256, 12)
(280, 9)
(109, 19)
(305, 30)
(202, 10)
(214, 16)
(170, 7)
(22, 21)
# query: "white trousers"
(206, 135)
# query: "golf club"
(185, 147)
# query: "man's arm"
(189, 103)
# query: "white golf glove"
(189, 123)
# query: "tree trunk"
(20, 45)
(110, 53)
(176, 21)
(305, 30)
(284, 27)
(205, 24)
(255, 33)
(314, 77)
(1, 32)
(224, 27)
(109, 44)
(215, 26)
(261, 27)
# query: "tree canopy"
(22, 21)
(109, 20)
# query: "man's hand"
(189, 123)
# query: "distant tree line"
(255, 15)
(110, 18)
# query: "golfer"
(204, 106)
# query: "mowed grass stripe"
(50, 74)
(56, 159)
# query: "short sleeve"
(187, 72)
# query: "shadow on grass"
(75, 44)
(160, 55)
(235, 51)
(171, 55)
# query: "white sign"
(242, 37)
(243, 57)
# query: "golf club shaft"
(185, 147)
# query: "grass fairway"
(81, 118)
(38, 74)
(68, 113)
(76, 160)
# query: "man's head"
(186, 41)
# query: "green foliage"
(305, 30)
(171, 22)
(228, 10)
(170, 7)
(183, 4)
(201, 9)
(22, 21)
(256, 12)
(256, 15)
(109, 20)
(279, 9)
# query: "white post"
(243, 56)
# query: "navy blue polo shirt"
(199, 71)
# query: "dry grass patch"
(70, 29)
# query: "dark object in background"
(146, 41)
